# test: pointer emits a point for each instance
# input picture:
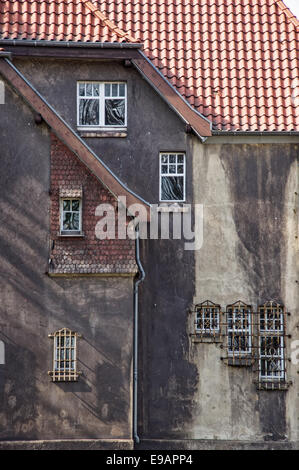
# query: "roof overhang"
(116, 51)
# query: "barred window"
(207, 318)
(271, 347)
(64, 356)
(239, 330)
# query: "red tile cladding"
(87, 255)
(235, 61)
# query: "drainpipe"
(135, 349)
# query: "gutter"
(135, 339)
(45, 43)
(255, 133)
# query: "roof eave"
(45, 43)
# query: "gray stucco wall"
(250, 252)
(34, 305)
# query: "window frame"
(65, 374)
(271, 333)
(247, 332)
(102, 98)
(215, 316)
(62, 231)
(163, 175)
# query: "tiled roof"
(235, 61)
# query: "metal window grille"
(239, 332)
(207, 318)
(64, 356)
(271, 345)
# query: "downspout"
(135, 347)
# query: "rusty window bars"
(64, 356)
(271, 345)
(207, 318)
(249, 338)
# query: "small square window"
(70, 216)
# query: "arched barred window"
(64, 356)
(207, 318)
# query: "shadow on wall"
(18, 394)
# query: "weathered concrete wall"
(250, 252)
(34, 305)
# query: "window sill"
(71, 235)
(273, 385)
(206, 338)
(91, 133)
(173, 207)
(239, 361)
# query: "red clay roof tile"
(235, 61)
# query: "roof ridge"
(119, 32)
(288, 13)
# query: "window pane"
(172, 168)
(107, 89)
(172, 188)
(164, 168)
(180, 158)
(180, 168)
(114, 89)
(88, 89)
(75, 204)
(81, 89)
(71, 221)
(114, 112)
(89, 112)
(66, 205)
(121, 89)
(172, 158)
(164, 158)
(96, 90)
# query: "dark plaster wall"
(152, 125)
(167, 380)
(34, 305)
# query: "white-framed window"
(64, 355)
(207, 318)
(271, 342)
(70, 216)
(172, 177)
(239, 329)
(101, 105)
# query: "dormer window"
(102, 105)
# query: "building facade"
(110, 340)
